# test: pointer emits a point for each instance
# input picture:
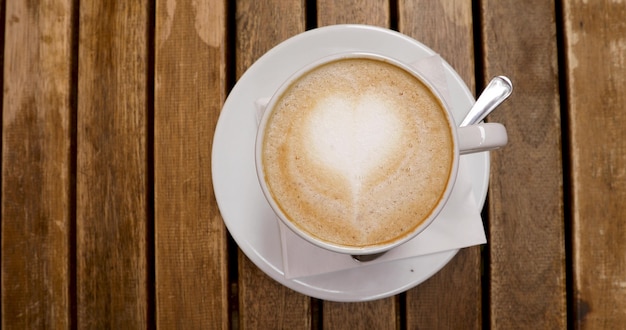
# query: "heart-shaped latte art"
(353, 136)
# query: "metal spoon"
(498, 90)
(366, 257)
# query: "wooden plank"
(190, 237)
(372, 12)
(112, 185)
(446, 27)
(526, 217)
(378, 314)
(36, 165)
(595, 48)
(266, 304)
(263, 302)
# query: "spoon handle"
(496, 92)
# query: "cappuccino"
(357, 152)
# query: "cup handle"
(481, 137)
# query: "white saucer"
(245, 211)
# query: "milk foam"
(357, 152)
(353, 134)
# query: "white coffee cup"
(358, 153)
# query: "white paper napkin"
(458, 225)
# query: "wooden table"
(108, 212)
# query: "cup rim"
(343, 249)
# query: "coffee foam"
(352, 152)
(352, 134)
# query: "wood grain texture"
(112, 165)
(371, 12)
(263, 302)
(190, 237)
(595, 34)
(446, 27)
(36, 165)
(526, 211)
(379, 314)
(267, 304)
(376, 314)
